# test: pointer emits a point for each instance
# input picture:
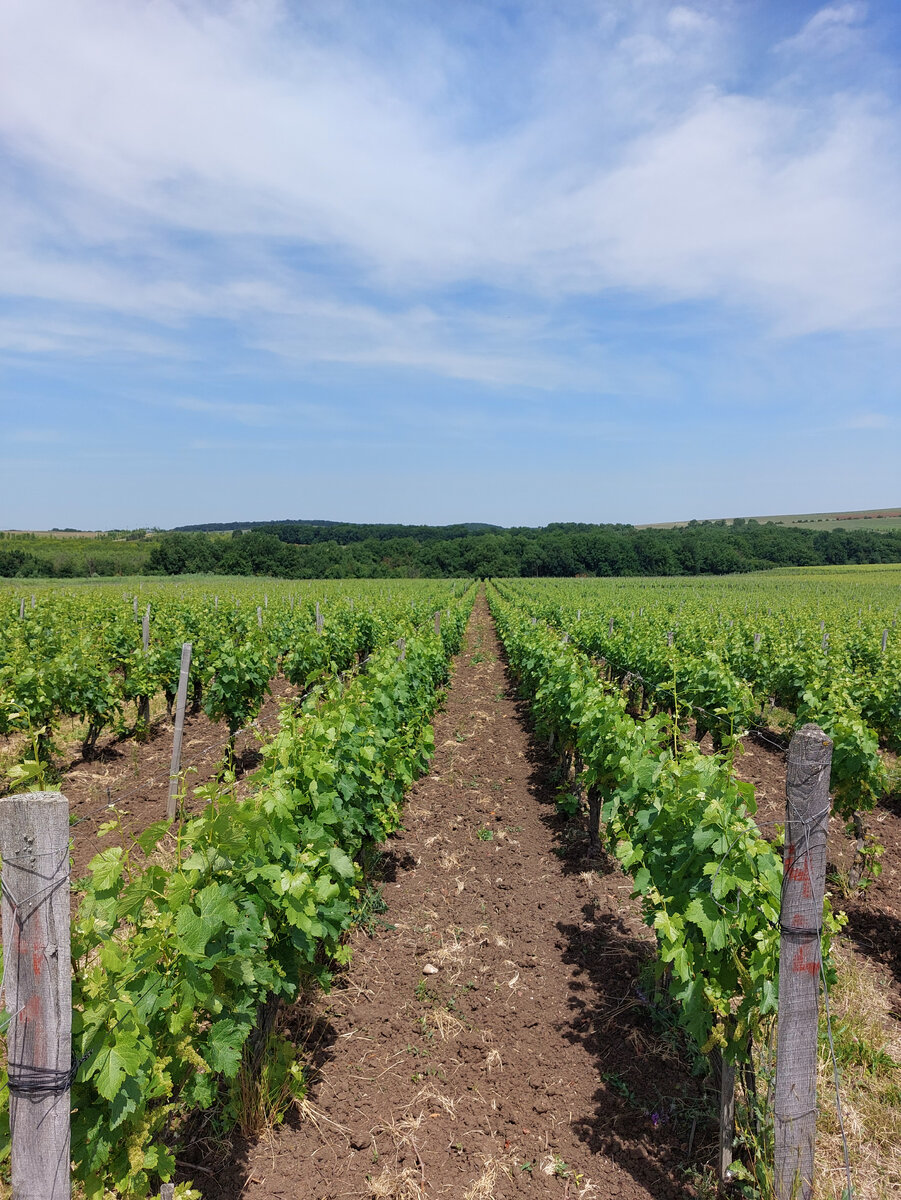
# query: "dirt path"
(527, 1064)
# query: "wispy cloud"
(532, 218)
(833, 29)
(240, 414)
(178, 190)
(875, 421)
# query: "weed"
(484, 834)
(263, 1091)
(619, 1085)
(423, 993)
(369, 907)
(568, 803)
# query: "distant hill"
(306, 532)
(877, 519)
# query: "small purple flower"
(655, 1119)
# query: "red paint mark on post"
(801, 966)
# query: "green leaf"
(106, 867)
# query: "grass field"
(879, 519)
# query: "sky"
(514, 261)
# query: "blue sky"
(416, 261)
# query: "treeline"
(59, 558)
(307, 533)
(557, 550)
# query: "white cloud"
(241, 414)
(178, 161)
(872, 420)
(830, 30)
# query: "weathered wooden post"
(727, 1118)
(180, 704)
(259, 617)
(438, 623)
(134, 605)
(34, 845)
(804, 882)
(402, 646)
(144, 701)
(884, 639)
(319, 621)
(22, 609)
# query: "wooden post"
(22, 609)
(259, 616)
(265, 600)
(179, 727)
(144, 701)
(727, 1118)
(134, 605)
(438, 623)
(319, 621)
(807, 815)
(610, 631)
(216, 603)
(167, 1191)
(669, 637)
(756, 641)
(34, 844)
(32, 600)
(594, 818)
(884, 639)
(402, 645)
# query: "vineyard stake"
(22, 609)
(801, 918)
(144, 702)
(179, 728)
(884, 639)
(727, 1118)
(438, 622)
(34, 844)
(259, 617)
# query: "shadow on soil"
(651, 1115)
(219, 1165)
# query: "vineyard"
(647, 701)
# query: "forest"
(294, 550)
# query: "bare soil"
(529, 1062)
(132, 777)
